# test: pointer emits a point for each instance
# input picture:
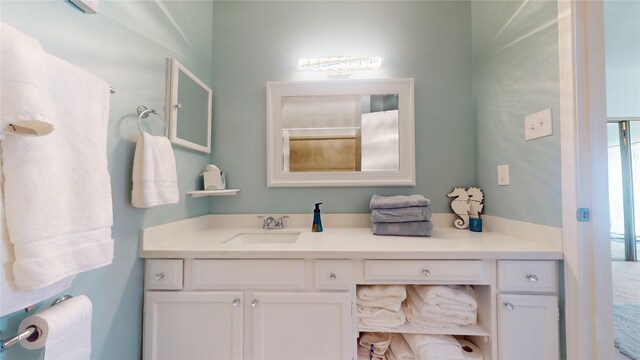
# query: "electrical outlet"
(503, 175)
(538, 125)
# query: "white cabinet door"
(193, 325)
(301, 325)
(528, 327)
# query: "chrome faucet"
(280, 223)
(268, 222)
(271, 223)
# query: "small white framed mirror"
(340, 133)
(189, 108)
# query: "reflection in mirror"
(189, 109)
(340, 133)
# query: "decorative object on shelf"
(460, 206)
(476, 196)
(467, 203)
(214, 178)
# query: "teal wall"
(515, 74)
(255, 42)
(622, 55)
(126, 45)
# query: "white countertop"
(207, 236)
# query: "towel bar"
(31, 331)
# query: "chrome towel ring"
(143, 113)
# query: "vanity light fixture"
(340, 65)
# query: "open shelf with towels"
(201, 193)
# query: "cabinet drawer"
(533, 276)
(165, 274)
(333, 274)
(247, 274)
(457, 271)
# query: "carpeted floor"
(626, 320)
(626, 300)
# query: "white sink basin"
(267, 237)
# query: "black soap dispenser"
(317, 223)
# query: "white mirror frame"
(174, 69)
(405, 176)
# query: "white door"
(301, 326)
(193, 325)
(528, 327)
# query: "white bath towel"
(434, 347)
(399, 349)
(380, 295)
(380, 319)
(155, 181)
(11, 298)
(57, 187)
(448, 296)
(24, 77)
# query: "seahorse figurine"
(461, 207)
(475, 200)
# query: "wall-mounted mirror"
(340, 133)
(189, 108)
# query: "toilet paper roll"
(64, 329)
(470, 350)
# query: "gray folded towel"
(397, 201)
(413, 228)
(405, 214)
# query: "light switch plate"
(538, 125)
(503, 175)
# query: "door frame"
(587, 269)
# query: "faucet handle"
(280, 222)
(264, 220)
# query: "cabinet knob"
(160, 276)
(254, 303)
(236, 302)
(426, 272)
(508, 306)
(332, 276)
(532, 277)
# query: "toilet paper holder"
(31, 333)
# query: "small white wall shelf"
(201, 193)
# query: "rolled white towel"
(448, 296)
(434, 347)
(380, 295)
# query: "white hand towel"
(379, 318)
(66, 330)
(57, 187)
(399, 349)
(380, 342)
(434, 347)
(155, 180)
(11, 298)
(380, 295)
(438, 313)
(24, 78)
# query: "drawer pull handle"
(508, 306)
(236, 302)
(532, 277)
(426, 272)
(332, 276)
(160, 276)
(254, 303)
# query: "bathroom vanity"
(290, 293)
